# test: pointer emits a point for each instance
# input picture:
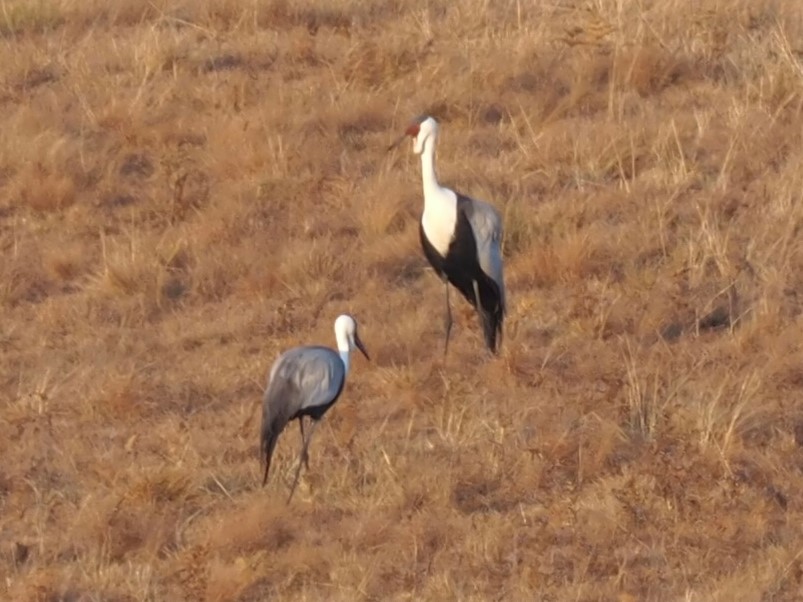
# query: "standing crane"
(461, 238)
(306, 381)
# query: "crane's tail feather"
(491, 328)
(485, 295)
(269, 436)
(275, 415)
(491, 312)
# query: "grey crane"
(461, 238)
(306, 381)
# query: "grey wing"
(281, 395)
(320, 377)
(304, 377)
(301, 378)
(487, 226)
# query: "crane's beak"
(397, 143)
(361, 347)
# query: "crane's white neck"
(430, 180)
(439, 219)
(343, 345)
(345, 355)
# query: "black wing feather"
(462, 269)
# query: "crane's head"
(420, 130)
(346, 334)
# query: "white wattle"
(343, 339)
(440, 204)
(346, 357)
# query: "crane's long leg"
(448, 318)
(304, 447)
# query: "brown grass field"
(188, 188)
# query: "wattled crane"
(461, 238)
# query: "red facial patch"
(413, 130)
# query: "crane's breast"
(439, 220)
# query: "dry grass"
(187, 188)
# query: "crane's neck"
(343, 338)
(430, 180)
(439, 219)
(345, 355)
